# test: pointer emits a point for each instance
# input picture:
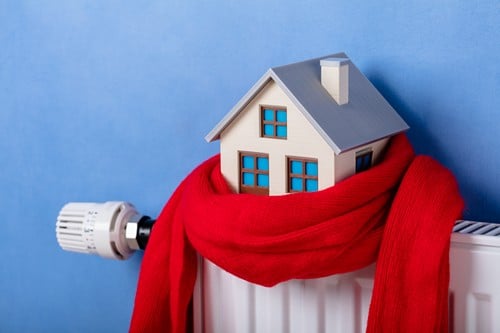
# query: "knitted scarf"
(399, 213)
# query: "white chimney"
(335, 78)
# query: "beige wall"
(302, 141)
(243, 134)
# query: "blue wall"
(110, 100)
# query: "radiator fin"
(298, 306)
(480, 317)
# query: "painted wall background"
(110, 100)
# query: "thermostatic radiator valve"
(113, 229)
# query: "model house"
(304, 127)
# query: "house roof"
(367, 117)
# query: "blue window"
(248, 162)
(312, 169)
(254, 173)
(263, 180)
(248, 179)
(296, 167)
(274, 122)
(363, 160)
(311, 185)
(302, 175)
(296, 184)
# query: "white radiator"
(224, 303)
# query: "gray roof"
(366, 118)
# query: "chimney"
(335, 78)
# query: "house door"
(254, 173)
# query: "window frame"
(274, 122)
(363, 160)
(255, 188)
(304, 177)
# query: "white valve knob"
(96, 228)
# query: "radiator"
(224, 303)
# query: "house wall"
(243, 134)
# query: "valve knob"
(97, 228)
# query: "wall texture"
(110, 100)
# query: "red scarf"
(399, 213)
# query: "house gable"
(243, 135)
